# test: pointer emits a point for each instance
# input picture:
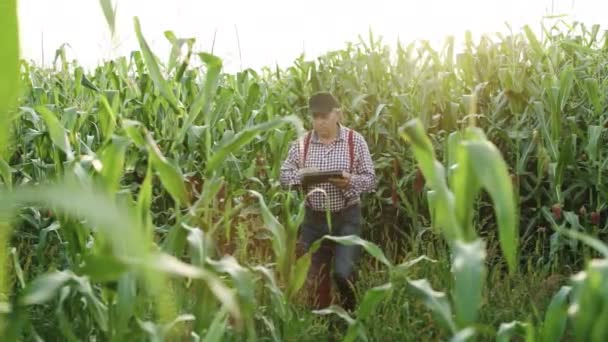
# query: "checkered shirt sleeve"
(332, 157)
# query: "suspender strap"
(351, 150)
(306, 145)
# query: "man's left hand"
(342, 182)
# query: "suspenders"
(305, 144)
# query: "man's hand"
(342, 182)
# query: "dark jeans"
(315, 225)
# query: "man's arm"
(363, 178)
(289, 170)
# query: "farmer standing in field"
(331, 146)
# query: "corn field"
(140, 200)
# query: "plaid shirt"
(331, 157)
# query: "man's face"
(325, 124)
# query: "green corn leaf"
(338, 311)
(593, 92)
(566, 83)
(463, 335)
(179, 319)
(466, 187)
(172, 266)
(133, 130)
(300, 272)
(6, 173)
(436, 301)
(45, 287)
(588, 302)
(242, 280)
(556, 316)
(154, 70)
(112, 160)
(371, 248)
(110, 13)
(279, 301)
(88, 84)
(241, 277)
(453, 142)
(170, 176)
(403, 268)
(112, 220)
(127, 294)
(469, 273)
(103, 268)
(9, 69)
(144, 202)
(218, 327)
(96, 308)
(590, 241)
(56, 131)
(17, 267)
(202, 103)
(534, 43)
(196, 242)
(431, 197)
(175, 49)
(507, 331)
(434, 174)
(279, 236)
(491, 172)
(371, 299)
(244, 137)
(594, 134)
(107, 118)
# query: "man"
(331, 146)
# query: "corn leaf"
(507, 331)
(469, 273)
(6, 173)
(45, 287)
(9, 69)
(113, 159)
(354, 240)
(556, 316)
(154, 70)
(57, 132)
(110, 13)
(434, 174)
(371, 299)
(170, 176)
(103, 268)
(244, 137)
(436, 301)
(491, 172)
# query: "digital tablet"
(314, 177)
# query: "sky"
(255, 33)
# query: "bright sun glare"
(257, 33)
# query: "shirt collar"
(342, 132)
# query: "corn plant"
(577, 310)
(171, 165)
(473, 164)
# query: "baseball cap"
(322, 102)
